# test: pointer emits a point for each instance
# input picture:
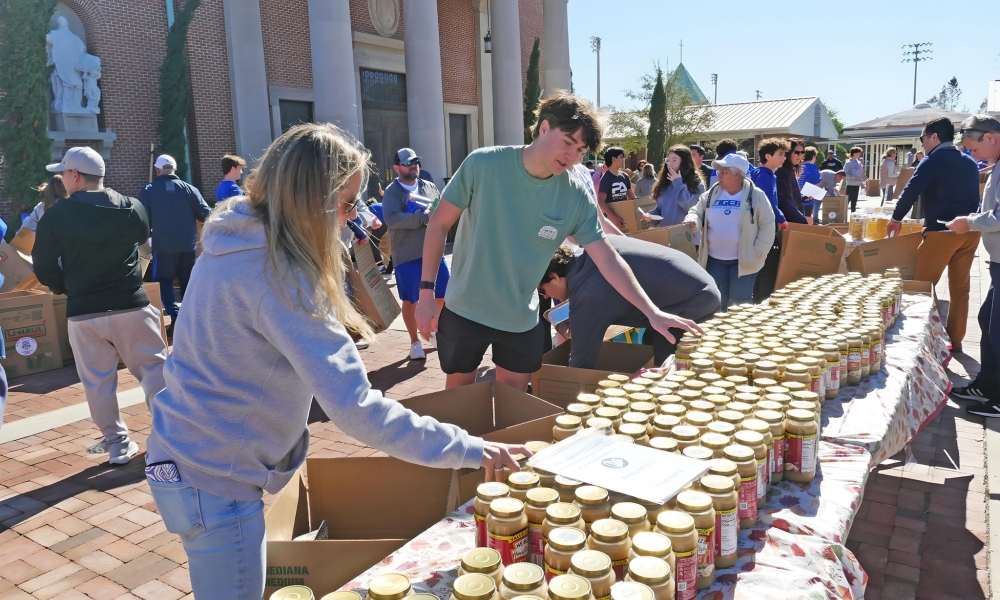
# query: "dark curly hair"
(559, 264)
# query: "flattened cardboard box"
(366, 524)
(24, 240)
(678, 237)
(558, 383)
(901, 179)
(897, 252)
(16, 269)
(809, 251)
(370, 292)
(32, 344)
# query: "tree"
(532, 92)
(657, 122)
(835, 117)
(24, 79)
(948, 97)
(175, 89)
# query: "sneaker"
(361, 344)
(971, 392)
(120, 455)
(986, 409)
(417, 351)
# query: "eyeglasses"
(410, 163)
(798, 152)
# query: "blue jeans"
(734, 289)
(223, 540)
(989, 324)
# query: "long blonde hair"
(296, 190)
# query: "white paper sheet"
(813, 191)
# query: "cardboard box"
(678, 237)
(923, 288)
(370, 292)
(872, 188)
(834, 209)
(16, 269)
(153, 291)
(901, 179)
(631, 212)
(29, 326)
(24, 240)
(897, 252)
(560, 384)
(809, 251)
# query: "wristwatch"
(426, 285)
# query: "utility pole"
(715, 82)
(759, 94)
(916, 54)
(681, 61)
(595, 45)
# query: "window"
(294, 112)
(459, 139)
(382, 87)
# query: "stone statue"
(65, 51)
(90, 68)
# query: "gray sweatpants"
(98, 342)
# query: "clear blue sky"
(746, 46)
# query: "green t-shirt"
(512, 226)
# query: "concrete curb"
(993, 499)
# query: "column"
(335, 96)
(556, 46)
(424, 96)
(484, 79)
(508, 94)
(247, 78)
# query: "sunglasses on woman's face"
(799, 152)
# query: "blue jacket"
(764, 179)
(675, 201)
(810, 174)
(173, 206)
(948, 182)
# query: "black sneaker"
(986, 409)
(971, 392)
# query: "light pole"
(916, 54)
(595, 45)
(715, 82)
(759, 94)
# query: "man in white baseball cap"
(87, 247)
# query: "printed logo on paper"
(548, 232)
(615, 463)
(26, 346)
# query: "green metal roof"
(688, 83)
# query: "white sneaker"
(122, 454)
(417, 351)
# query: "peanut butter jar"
(578, 409)
(725, 468)
(667, 444)
(725, 501)
(746, 464)
(567, 488)
(391, 586)
(561, 514)
(594, 503)
(801, 435)
(716, 442)
(520, 482)
(484, 561)
(663, 425)
(637, 432)
(653, 544)
(680, 528)
(699, 506)
(507, 530)
(634, 516)
(686, 435)
(610, 536)
(536, 501)
(564, 542)
(776, 421)
(758, 426)
(525, 579)
(655, 573)
(570, 587)
(486, 493)
(565, 427)
(697, 452)
(591, 400)
(631, 590)
(474, 586)
(595, 567)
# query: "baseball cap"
(165, 160)
(732, 160)
(81, 159)
(405, 156)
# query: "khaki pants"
(97, 344)
(942, 249)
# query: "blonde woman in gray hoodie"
(231, 423)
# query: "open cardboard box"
(631, 212)
(679, 237)
(558, 383)
(923, 288)
(896, 252)
(809, 251)
(16, 269)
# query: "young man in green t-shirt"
(521, 203)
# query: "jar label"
(877, 355)
(779, 454)
(770, 462)
(834, 377)
(801, 453)
(687, 575)
(512, 548)
(748, 497)
(682, 364)
(480, 531)
(814, 384)
(761, 478)
(706, 551)
(551, 573)
(727, 531)
(536, 543)
(843, 366)
(619, 567)
(854, 362)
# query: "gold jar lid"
(622, 438)
(629, 513)
(523, 576)
(568, 421)
(636, 431)
(591, 495)
(619, 403)
(702, 406)
(782, 399)
(675, 521)
(698, 452)
(635, 417)
(771, 417)
(702, 363)
(663, 443)
(612, 393)
(718, 401)
(391, 586)
(541, 497)
(561, 481)
(567, 539)
(535, 447)
(717, 484)
(766, 365)
(764, 382)
(798, 414)
(631, 590)
(715, 441)
(797, 368)
(748, 438)
(723, 467)
(607, 384)
(777, 359)
(775, 389)
(714, 390)
(506, 507)
(579, 409)
(345, 595)
(619, 377)
(744, 408)
(698, 419)
(562, 512)
(481, 560)
(754, 424)
(808, 361)
(685, 433)
(474, 586)
(608, 530)
(599, 423)
(735, 363)
(522, 480)
(709, 378)
(738, 453)
(747, 397)
(293, 592)
(796, 386)
(687, 395)
(669, 399)
(768, 405)
(666, 421)
(733, 417)
(646, 407)
(569, 587)
(678, 377)
(651, 543)
(692, 501)
(632, 388)
(660, 389)
(650, 569)
(805, 396)
(588, 399)
(590, 563)
(802, 405)
(487, 492)
(608, 412)
(643, 381)
(652, 375)
(736, 380)
(676, 410)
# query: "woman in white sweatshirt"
(231, 422)
(887, 175)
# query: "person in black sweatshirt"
(87, 247)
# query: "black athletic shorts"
(461, 345)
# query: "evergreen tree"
(24, 81)
(657, 122)
(175, 89)
(532, 92)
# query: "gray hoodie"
(240, 379)
(987, 221)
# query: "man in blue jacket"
(173, 206)
(948, 182)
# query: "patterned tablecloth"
(796, 549)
